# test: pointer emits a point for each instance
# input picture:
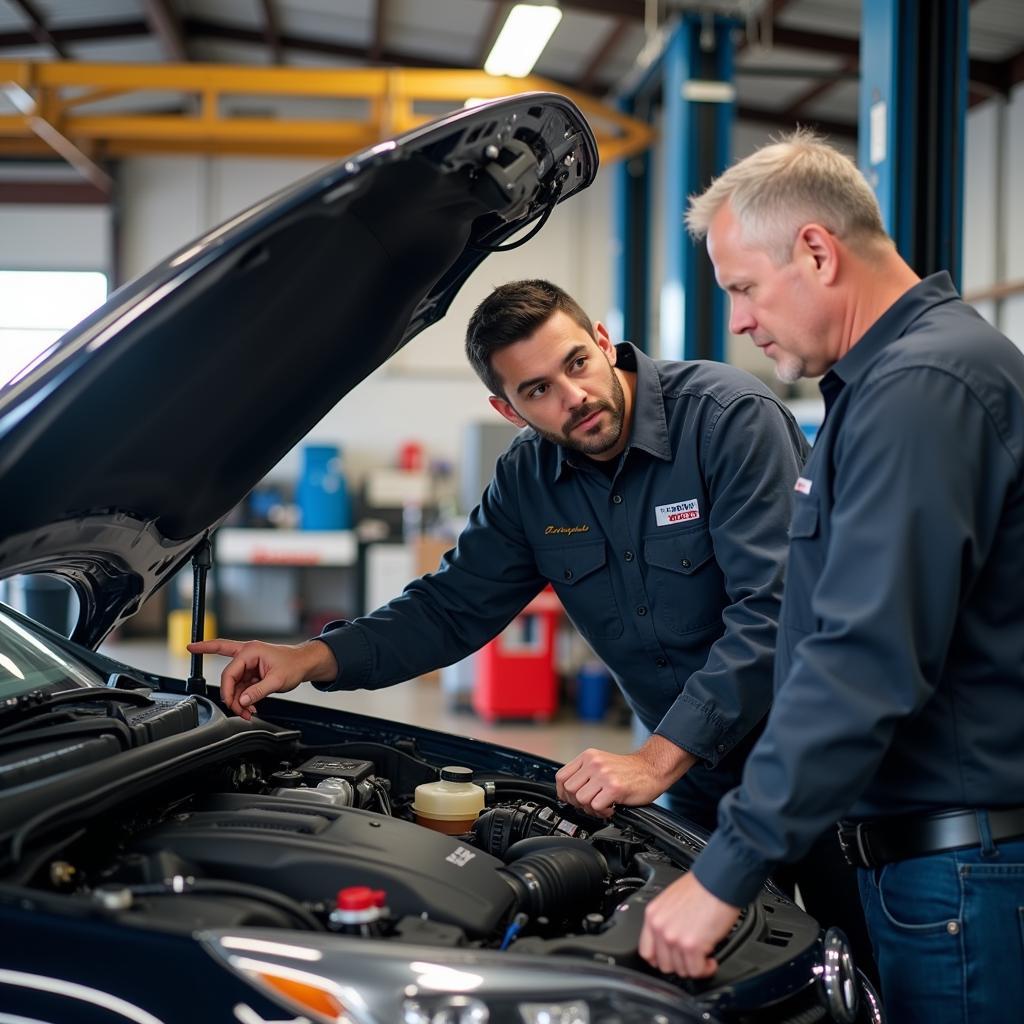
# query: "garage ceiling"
(797, 59)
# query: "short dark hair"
(511, 313)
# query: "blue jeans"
(948, 934)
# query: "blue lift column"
(913, 103)
(694, 76)
(697, 143)
(629, 319)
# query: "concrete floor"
(419, 702)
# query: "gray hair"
(798, 179)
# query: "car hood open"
(125, 443)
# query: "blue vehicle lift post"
(694, 74)
(631, 218)
(913, 103)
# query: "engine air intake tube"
(497, 829)
(557, 882)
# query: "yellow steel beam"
(172, 127)
(62, 91)
(23, 147)
(118, 149)
(615, 131)
(38, 122)
(91, 96)
(13, 126)
(233, 78)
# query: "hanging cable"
(552, 203)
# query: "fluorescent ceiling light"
(522, 40)
(709, 91)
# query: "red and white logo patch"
(803, 485)
(677, 512)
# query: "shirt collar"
(649, 429)
(885, 331)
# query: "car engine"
(215, 823)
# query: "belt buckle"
(854, 845)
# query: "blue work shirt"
(900, 669)
(671, 568)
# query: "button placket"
(629, 556)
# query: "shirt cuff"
(351, 651)
(730, 871)
(697, 728)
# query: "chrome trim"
(839, 978)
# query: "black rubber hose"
(499, 828)
(557, 882)
(184, 885)
(537, 844)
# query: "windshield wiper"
(37, 701)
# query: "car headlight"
(574, 1012)
(464, 1010)
(334, 980)
(454, 1010)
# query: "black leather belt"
(870, 844)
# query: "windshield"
(28, 662)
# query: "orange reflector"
(309, 997)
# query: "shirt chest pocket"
(805, 519)
(580, 576)
(685, 582)
(803, 568)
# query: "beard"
(596, 440)
(789, 369)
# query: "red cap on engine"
(360, 897)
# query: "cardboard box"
(427, 557)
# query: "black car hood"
(129, 440)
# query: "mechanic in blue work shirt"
(655, 497)
(900, 668)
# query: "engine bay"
(216, 823)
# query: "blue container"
(593, 691)
(322, 493)
(48, 600)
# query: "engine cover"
(310, 852)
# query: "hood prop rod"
(201, 562)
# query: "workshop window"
(37, 307)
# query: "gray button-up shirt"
(671, 568)
(900, 670)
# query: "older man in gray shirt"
(900, 670)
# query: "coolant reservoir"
(450, 805)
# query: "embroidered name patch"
(567, 530)
(803, 485)
(677, 512)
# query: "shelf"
(236, 546)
